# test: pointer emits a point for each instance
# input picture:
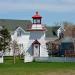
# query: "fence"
(55, 59)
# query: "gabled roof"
(52, 31)
(35, 42)
(12, 25)
(19, 28)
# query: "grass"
(35, 68)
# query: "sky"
(52, 11)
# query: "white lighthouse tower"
(37, 43)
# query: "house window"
(21, 46)
(19, 33)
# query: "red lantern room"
(36, 18)
(36, 26)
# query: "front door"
(36, 50)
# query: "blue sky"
(53, 11)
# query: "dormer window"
(20, 32)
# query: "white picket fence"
(55, 59)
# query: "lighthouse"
(37, 44)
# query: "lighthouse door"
(36, 50)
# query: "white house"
(31, 40)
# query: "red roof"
(37, 16)
(35, 42)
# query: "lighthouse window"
(36, 21)
(33, 21)
(36, 46)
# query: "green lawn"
(36, 68)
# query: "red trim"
(35, 42)
(36, 23)
(37, 16)
(36, 30)
(43, 29)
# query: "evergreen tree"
(5, 39)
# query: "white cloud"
(52, 6)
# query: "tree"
(53, 49)
(16, 49)
(5, 39)
(49, 48)
(1, 43)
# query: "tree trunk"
(19, 56)
(14, 57)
